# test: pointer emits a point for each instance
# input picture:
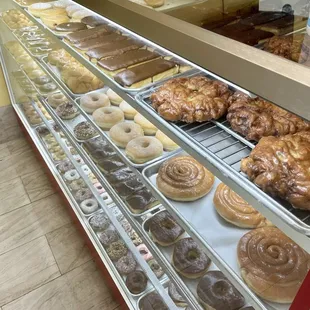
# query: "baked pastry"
(99, 222)
(175, 295)
(98, 149)
(114, 97)
(93, 101)
(116, 250)
(189, 260)
(155, 3)
(108, 165)
(279, 166)
(128, 110)
(146, 73)
(122, 133)
(140, 201)
(67, 110)
(143, 149)
(136, 281)
(107, 117)
(70, 27)
(194, 99)
(182, 178)
(126, 264)
(215, 291)
(155, 267)
(93, 21)
(84, 131)
(231, 207)
(152, 301)
(148, 128)
(169, 145)
(108, 236)
(37, 8)
(56, 99)
(164, 229)
(271, 264)
(89, 206)
(255, 118)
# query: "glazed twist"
(236, 210)
(280, 166)
(272, 264)
(183, 178)
(195, 99)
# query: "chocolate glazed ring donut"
(126, 264)
(215, 291)
(152, 301)
(271, 264)
(164, 229)
(136, 282)
(189, 260)
(176, 296)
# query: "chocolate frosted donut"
(136, 282)
(178, 299)
(108, 236)
(189, 259)
(164, 229)
(152, 301)
(70, 27)
(84, 131)
(126, 264)
(215, 291)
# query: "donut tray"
(202, 220)
(106, 133)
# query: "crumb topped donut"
(93, 101)
(124, 132)
(144, 149)
(84, 131)
(67, 110)
(107, 117)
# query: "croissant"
(280, 166)
(257, 118)
(194, 99)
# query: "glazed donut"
(136, 281)
(107, 117)
(271, 264)
(169, 145)
(42, 80)
(83, 194)
(144, 251)
(67, 110)
(164, 229)
(99, 222)
(231, 207)
(89, 205)
(84, 131)
(48, 87)
(152, 301)
(128, 110)
(126, 264)
(77, 184)
(93, 101)
(114, 97)
(99, 188)
(189, 260)
(86, 169)
(71, 175)
(108, 236)
(178, 299)
(124, 132)
(156, 268)
(182, 178)
(116, 250)
(144, 149)
(65, 166)
(148, 128)
(215, 291)
(35, 74)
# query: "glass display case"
(141, 110)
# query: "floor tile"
(80, 289)
(4, 151)
(38, 185)
(12, 195)
(18, 146)
(32, 221)
(7, 169)
(68, 247)
(26, 268)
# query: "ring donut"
(126, 264)
(89, 205)
(93, 101)
(107, 117)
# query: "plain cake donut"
(124, 132)
(128, 110)
(143, 149)
(147, 126)
(107, 117)
(215, 291)
(189, 260)
(114, 97)
(93, 101)
(169, 145)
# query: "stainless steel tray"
(106, 133)
(202, 220)
(216, 139)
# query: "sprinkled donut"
(136, 281)
(67, 110)
(54, 100)
(99, 222)
(144, 251)
(116, 250)
(71, 175)
(126, 225)
(77, 184)
(108, 236)
(89, 205)
(124, 132)
(65, 166)
(126, 264)
(84, 131)
(83, 194)
(158, 271)
(91, 102)
(135, 238)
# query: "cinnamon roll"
(232, 208)
(182, 178)
(271, 264)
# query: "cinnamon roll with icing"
(271, 264)
(232, 208)
(182, 178)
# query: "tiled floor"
(44, 263)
